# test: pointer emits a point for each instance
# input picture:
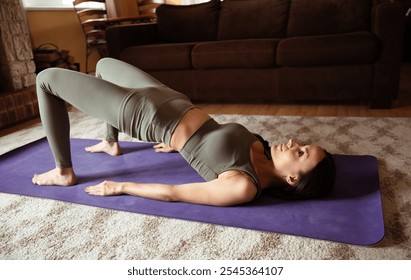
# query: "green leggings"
(126, 98)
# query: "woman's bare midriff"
(192, 120)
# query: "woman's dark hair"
(316, 183)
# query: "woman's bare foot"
(111, 148)
(56, 177)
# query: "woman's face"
(292, 159)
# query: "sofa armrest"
(122, 36)
(388, 21)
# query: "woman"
(237, 164)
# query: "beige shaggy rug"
(35, 228)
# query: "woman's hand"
(106, 188)
(163, 148)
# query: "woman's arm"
(226, 191)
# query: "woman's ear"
(291, 180)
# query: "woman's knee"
(50, 74)
(44, 80)
(53, 80)
(44, 75)
(104, 63)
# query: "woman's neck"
(263, 166)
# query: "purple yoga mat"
(351, 214)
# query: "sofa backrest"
(190, 23)
(254, 19)
(320, 17)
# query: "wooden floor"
(400, 108)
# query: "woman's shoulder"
(256, 147)
(242, 180)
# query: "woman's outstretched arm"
(233, 189)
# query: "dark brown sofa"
(271, 50)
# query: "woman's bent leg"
(93, 96)
(125, 75)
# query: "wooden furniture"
(271, 50)
(148, 7)
(95, 17)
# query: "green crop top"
(216, 148)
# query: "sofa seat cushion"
(342, 49)
(159, 57)
(252, 19)
(255, 53)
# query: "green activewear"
(133, 102)
(126, 98)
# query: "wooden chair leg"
(87, 54)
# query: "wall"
(61, 27)
(18, 101)
(16, 65)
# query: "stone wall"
(17, 69)
(18, 101)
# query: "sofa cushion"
(235, 54)
(251, 19)
(320, 17)
(159, 57)
(343, 49)
(187, 23)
